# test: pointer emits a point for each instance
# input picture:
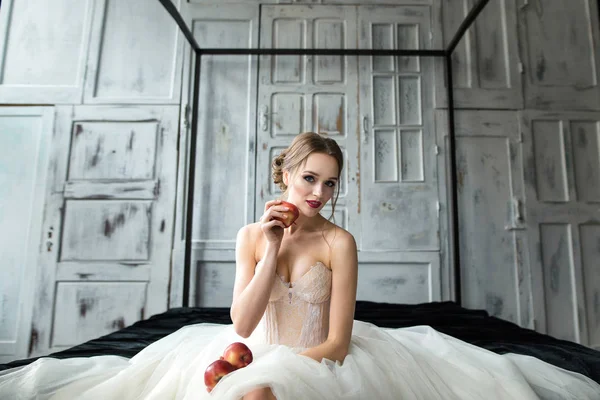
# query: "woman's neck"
(306, 224)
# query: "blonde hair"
(296, 154)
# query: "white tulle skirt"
(407, 363)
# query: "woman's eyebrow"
(314, 173)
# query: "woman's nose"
(318, 190)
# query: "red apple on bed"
(238, 355)
(289, 216)
(215, 372)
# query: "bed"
(476, 327)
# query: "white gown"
(383, 363)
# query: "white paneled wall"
(562, 180)
(43, 50)
(99, 239)
(96, 208)
(25, 135)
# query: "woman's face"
(313, 184)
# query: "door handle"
(264, 117)
(517, 210)
(517, 216)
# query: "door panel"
(108, 223)
(560, 53)
(225, 155)
(308, 93)
(399, 277)
(485, 63)
(398, 228)
(492, 236)
(43, 51)
(562, 177)
(135, 54)
(25, 137)
(398, 174)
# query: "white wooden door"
(308, 93)
(225, 180)
(559, 49)
(486, 65)
(25, 137)
(108, 223)
(493, 242)
(562, 177)
(398, 215)
(43, 50)
(135, 54)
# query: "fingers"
(273, 210)
(268, 221)
(275, 205)
(271, 203)
(273, 223)
(279, 208)
(270, 216)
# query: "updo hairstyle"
(296, 154)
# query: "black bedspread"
(472, 326)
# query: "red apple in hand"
(289, 216)
(238, 355)
(215, 372)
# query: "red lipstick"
(314, 204)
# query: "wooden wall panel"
(495, 273)
(109, 213)
(101, 230)
(214, 283)
(556, 247)
(585, 141)
(589, 234)
(485, 64)
(135, 54)
(562, 216)
(96, 309)
(560, 54)
(43, 50)
(226, 152)
(405, 282)
(398, 185)
(112, 151)
(551, 172)
(25, 135)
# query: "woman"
(313, 255)
(293, 304)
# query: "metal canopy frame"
(446, 54)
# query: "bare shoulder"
(249, 240)
(343, 245)
(250, 230)
(247, 235)
(338, 236)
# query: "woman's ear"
(286, 178)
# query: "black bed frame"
(444, 53)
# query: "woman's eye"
(311, 179)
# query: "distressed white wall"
(539, 60)
(25, 137)
(88, 249)
(529, 163)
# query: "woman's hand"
(272, 228)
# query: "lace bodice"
(297, 314)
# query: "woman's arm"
(251, 289)
(344, 267)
